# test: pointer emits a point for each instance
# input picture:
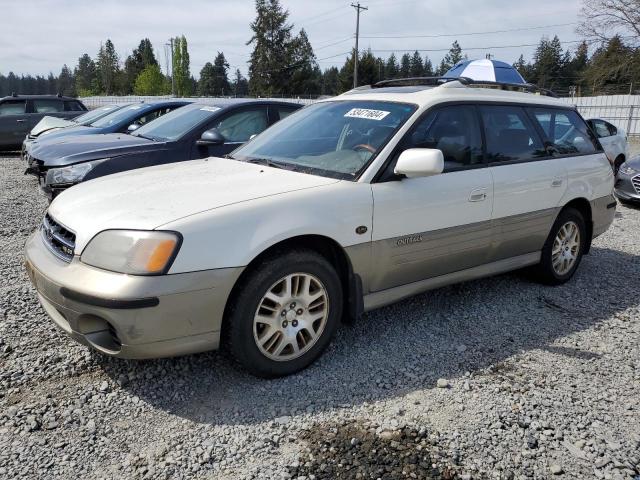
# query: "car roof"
(231, 102)
(423, 95)
(38, 97)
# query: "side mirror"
(211, 137)
(420, 162)
(133, 127)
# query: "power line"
(494, 47)
(471, 33)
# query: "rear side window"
(13, 107)
(47, 106)
(73, 106)
(284, 111)
(566, 131)
(453, 130)
(509, 134)
(240, 126)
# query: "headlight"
(72, 173)
(627, 170)
(133, 252)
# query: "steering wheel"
(366, 147)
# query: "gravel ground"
(499, 378)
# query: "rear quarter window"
(13, 107)
(48, 106)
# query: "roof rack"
(466, 81)
(523, 87)
(416, 81)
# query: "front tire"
(284, 313)
(563, 250)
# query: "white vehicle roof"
(451, 91)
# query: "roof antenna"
(14, 94)
(59, 95)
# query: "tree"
(181, 73)
(428, 67)
(416, 67)
(612, 65)
(240, 85)
(271, 40)
(391, 68)
(605, 19)
(66, 84)
(453, 57)
(150, 81)
(206, 84)
(85, 76)
(107, 67)
(305, 75)
(331, 81)
(548, 62)
(405, 66)
(525, 69)
(140, 58)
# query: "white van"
(344, 206)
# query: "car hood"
(47, 123)
(634, 162)
(148, 198)
(83, 148)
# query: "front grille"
(59, 240)
(636, 183)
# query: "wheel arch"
(328, 248)
(584, 207)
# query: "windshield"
(174, 125)
(337, 138)
(93, 115)
(120, 115)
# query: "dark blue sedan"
(191, 132)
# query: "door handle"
(557, 182)
(478, 195)
(21, 121)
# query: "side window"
(601, 128)
(13, 107)
(73, 106)
(510, 135)
(48, 106)
(612, 129)
(453, 130)
(284, 111)
(566, 131)
(240, 126)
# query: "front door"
(427, 227)
(237, 127)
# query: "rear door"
(528, 182)
(431, 226)
(14, 122)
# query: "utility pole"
(173, 77)
(355, 57)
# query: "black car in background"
(121, 120)
(191, 132)
(49, 124)
(20, 113)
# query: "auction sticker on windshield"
(366, 113)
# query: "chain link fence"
(621, 110)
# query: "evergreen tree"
(453, 57)
(206, 84)
(85, 76)
(305, 73)
(66, 84)
(52, 85)
(271, 40)
(107, 67)
(140, 58)
(428, 67)
(405, 66)
(391, 69)
(548, 62)
(240, 85)
(221, 80)
(416, 68)
(331, 81)
(611, 66)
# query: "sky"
(39, 36)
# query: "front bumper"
(131, 316)
(627, 187)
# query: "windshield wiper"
(268, 162)
(143, 136)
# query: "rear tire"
(284, 313)
(563, 250)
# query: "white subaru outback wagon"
(344, 206)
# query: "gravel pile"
(499, 378)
